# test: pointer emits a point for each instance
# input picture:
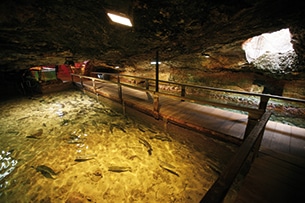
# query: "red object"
(64, 72)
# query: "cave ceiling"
(35, 32)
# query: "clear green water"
(98, 155)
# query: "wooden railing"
(219, 189)
(150, 85)
(192, 93)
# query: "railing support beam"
(156, 106)
(147, 84)
(182, 91)
(254, 118)
(157, 71)
(81, 81)
(120, 93)
(222, 185)
(94, 85)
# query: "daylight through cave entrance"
(268, 43)
(272, 53)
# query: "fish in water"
(133, 157)
(94, 123)
(166, 165)
(64, 122)
(122, 129)
(84, 158)
(141, 128)
(45, 171)
(36, 135)
(76, 141)
(118, 126)
(119, 169)
(23, 118)
(169, 170)
(160, 137)
(147, 145)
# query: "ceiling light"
(120, 19)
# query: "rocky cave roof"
(35, 32)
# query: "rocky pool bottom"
(67, 147)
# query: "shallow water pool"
(67, 147)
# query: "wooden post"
(222, 185)
(81, 81)
(94, 85)
(254, 118)
(120, 90)
(182, 91)
(165, 120)
(119, 79)
(124, 108)
(146, 84)
(157, 71)
(257, 145)
(156, 106)
(263, 102)
(120, 93)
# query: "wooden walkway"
(282, 154)
(274, 178)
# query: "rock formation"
(199, 35)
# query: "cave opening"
(268, 43)
(273, 55)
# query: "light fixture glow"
(120, 19)
(154, 62)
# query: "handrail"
(183, 98)
(254, 113)
(219, 189)
(209, 88)
(231, 106)
(254, 110)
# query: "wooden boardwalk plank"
(274, 179)
(281, 142)
(297, 142)
(269, 134)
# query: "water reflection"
(70, 147)
(8, 164)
